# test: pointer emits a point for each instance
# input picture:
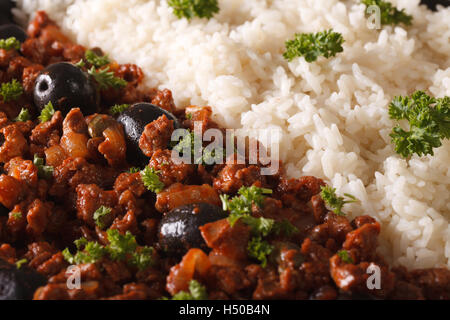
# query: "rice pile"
(332, 113)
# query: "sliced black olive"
(5, 11)
(67, 87)
(431, 4)
(4, 19)
(179, 228)
(134, 119)
(6, 5)
(18, 284)
(12, 30)
(3, 210)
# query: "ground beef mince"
(72, 205)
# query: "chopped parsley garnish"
(44, 172)
(336, 203)
(196, 292)
(388, 13)
(209, 155)
(99, 215)
(10, 43)
(123, 247)
(47, 113)
(118, 108)
(120, 247)
(264, 226)
(106, 78)
(23, 116)
(313, 45)
(240, 208)
(345, 256)
(259, 249)
(11, 90)
(259, 226)
(20, 262)
(151, 180)
(80, 64)
(134, 170)
(194, 8)
(142, 258)
(429, 123)
(88, 252)
(96, 60)
(186, 142)
(16, 215)
(206, 156)
(285, 227)
(241, 205)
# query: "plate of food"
(193, 150)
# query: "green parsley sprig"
(429, 123)
(142, 257)
(44, 172)
(199, 155)
(23, 116)
(196, 292)
(87, 252)
(313, 45)
(125, 247)
(241, 205)
(11, 90)
(259, 226)
(120, 248)
(120, 245)
(390, 15)
(345, 256)
(10, 43)
(134, 170)
(96, 60)
(151, 179)
(99, 216)
(16, 215)
(284, 227)
(336, 203)
(106, 78)
(118, 109)
(20, 263)
(259, 249)
(194, 8)
(240, 208)
(47, 112)
(80, 64)
(185, 143)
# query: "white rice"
(332, 113)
